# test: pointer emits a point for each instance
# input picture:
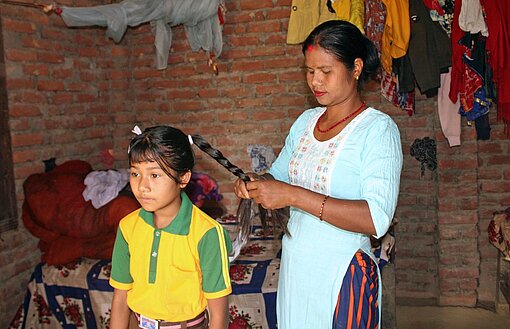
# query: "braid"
(202, 144)
(245, 210)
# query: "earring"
(356, 77)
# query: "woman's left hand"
(270, 194)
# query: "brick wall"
(73, 93)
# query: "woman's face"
(328, 78)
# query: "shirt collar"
(180, 224)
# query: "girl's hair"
(346, 42)
(169, 147)
(202, 144)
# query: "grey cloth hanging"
(199, 17)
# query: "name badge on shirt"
(148, 323)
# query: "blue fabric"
(358, 296)
(481, 106)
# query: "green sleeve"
(120, 260)
(213, 252)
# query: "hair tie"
(136, 130)
(190, 139)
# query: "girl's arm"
(120, 310)
(218, 312)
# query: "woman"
(339, 171)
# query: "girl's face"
(328, 78)
(155, 190)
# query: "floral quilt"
(76, 295)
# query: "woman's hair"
(346, 42)
(169, 147)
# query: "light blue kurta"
(363, 162)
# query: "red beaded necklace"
(339, 122)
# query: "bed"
(78, 295)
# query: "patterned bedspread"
(78, 295)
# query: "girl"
(170, 259)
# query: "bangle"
(322, 207)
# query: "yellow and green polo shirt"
(171, 272)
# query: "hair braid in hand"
(245, 210)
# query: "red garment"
(434, 5)
(464, 81)
(457, 75)
(498, 47)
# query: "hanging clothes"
(352, 11)
(305, 15)
(375, 17)
(449, 116)
(471, 18)
(464, 81)
(397, 31)
(199, 17)
(441, 11)
(498, 46)
(428, 54)
(389, 90)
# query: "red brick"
(188, 106)
(284, 100)
(17, 26)
(247, 66)
(25, 155)
(19, 110)
(265, 27)
(239, 41)
(19, 55)
(259, 77)
(207, 93)
(249, 5)
(50, 85)
(180, 93)
(26, 139)
(53, 58)
(495, 187)
(498, 160)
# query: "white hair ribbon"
(136, 130)
(190, 139)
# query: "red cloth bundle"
(69, 227)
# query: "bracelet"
(322, 207)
